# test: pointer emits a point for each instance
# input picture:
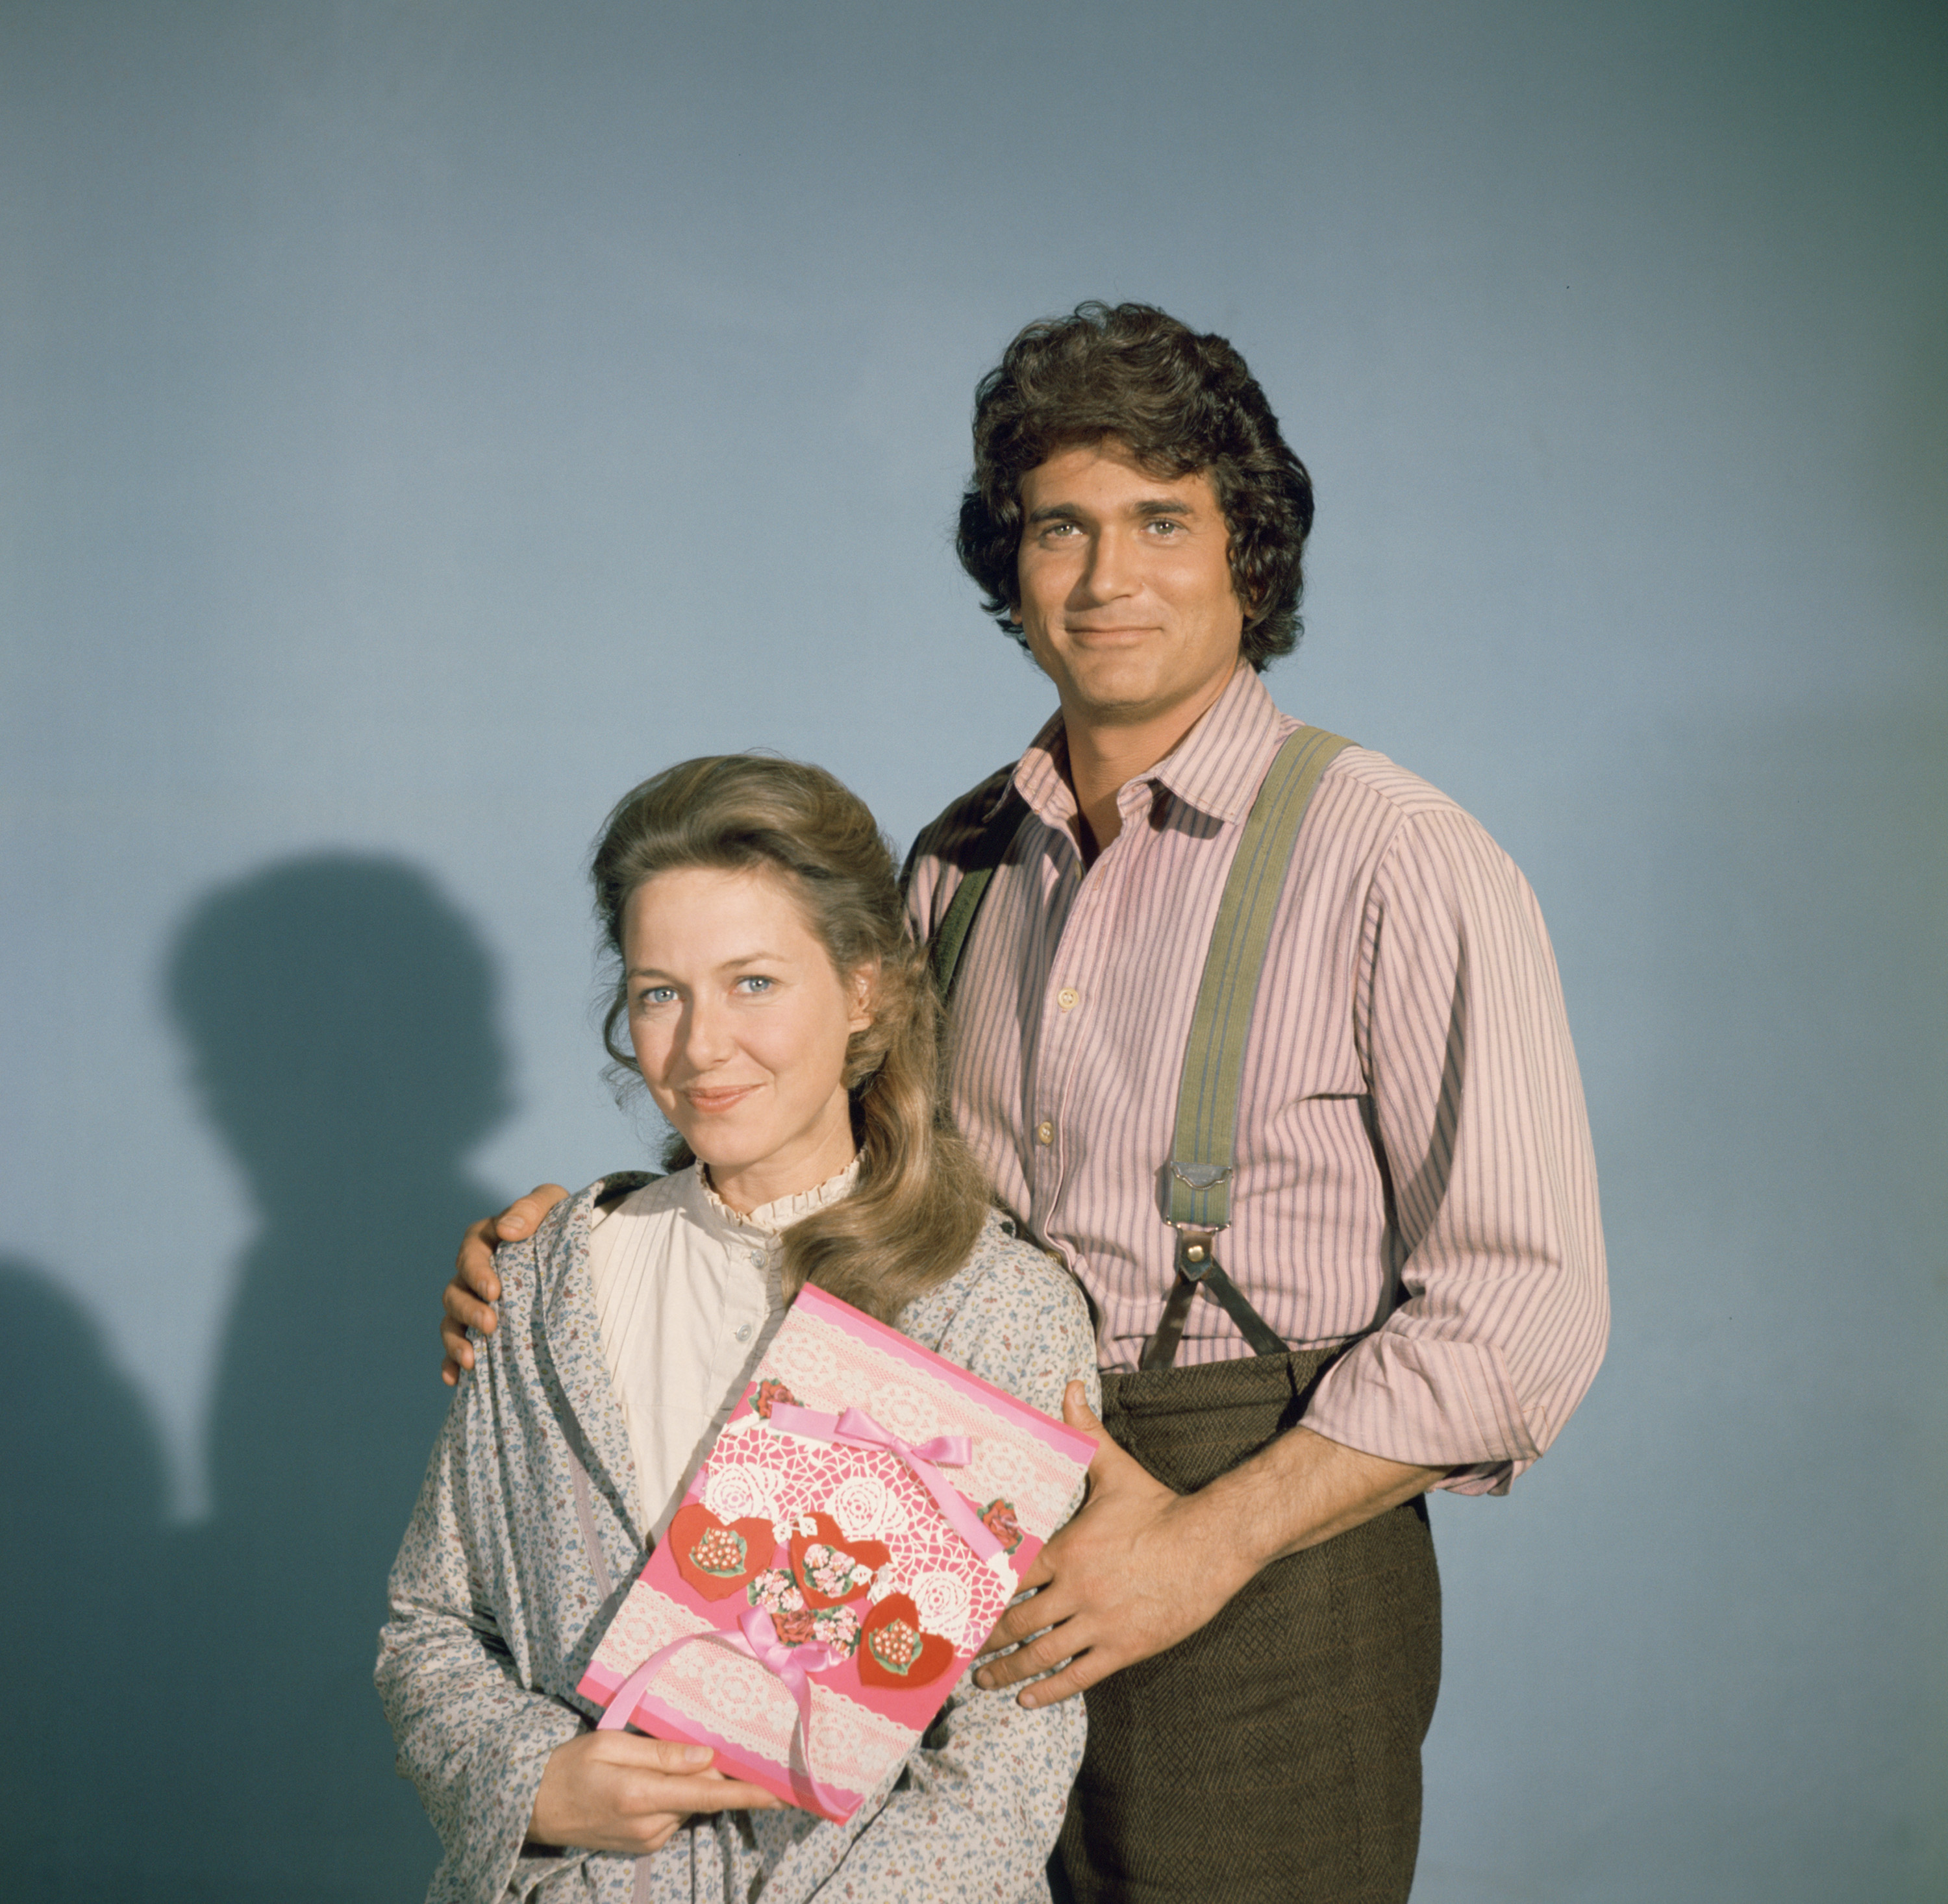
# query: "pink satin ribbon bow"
(857, 1429)
(757, 1638)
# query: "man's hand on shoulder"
(469, 1298)
(1141, 1567)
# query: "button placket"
(1076, 951)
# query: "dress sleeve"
(975, 1810)
(1479, 1112)
(469, 1735)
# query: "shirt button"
(743, 1332)
(1045, 1131)
(1068, 998)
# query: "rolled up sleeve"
(1478, 1111)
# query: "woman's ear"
(864, 997)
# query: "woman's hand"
(475, 1288)
(616, 1791)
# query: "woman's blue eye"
(756, 983)
(656, 995)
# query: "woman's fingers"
(683, 1777)
(615, 1791)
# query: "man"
(1251, 1604)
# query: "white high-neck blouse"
(686, 1294)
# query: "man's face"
(1124, 580)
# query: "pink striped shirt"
(1413, 1163)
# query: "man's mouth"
(1109, 637)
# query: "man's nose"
(1110, 572)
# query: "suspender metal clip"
(1197, 1251)
(1196, 1258)
(1198, 1267)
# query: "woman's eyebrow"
(758, 956)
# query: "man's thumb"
(1077, 1413)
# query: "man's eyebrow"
(1146, 506)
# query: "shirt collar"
(764, 1225)
(1215, 768)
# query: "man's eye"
(1163, 526)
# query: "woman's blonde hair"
(920, 1200)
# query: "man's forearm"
(1140, 1567)
(1302, 1489)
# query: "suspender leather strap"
(1214, 1060)
(990, 850)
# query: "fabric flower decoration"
(718, 1557)
(828, 1568)
(894, 1650)
(998, 1518)
(770, 1393)
(777, 1592)
(799, 1628)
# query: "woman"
(784, 1025)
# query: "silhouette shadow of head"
(340, 1012)
(342, 1016)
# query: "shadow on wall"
(228, 1743)
(80, 1489)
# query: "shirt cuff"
(1429, 1403)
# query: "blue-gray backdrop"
(421, 418)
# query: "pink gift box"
(859, 1525)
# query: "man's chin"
(1121, 705)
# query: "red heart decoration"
(693, 1523)
(931, 1652)
(871, 1554)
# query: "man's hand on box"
(1141, 1566)
(615, 1791)
(1119, 1583)
(469, 1299)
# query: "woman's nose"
(706, 1035)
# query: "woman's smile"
(710, 1098)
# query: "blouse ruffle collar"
(765, 1223)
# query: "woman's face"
(740, 1024)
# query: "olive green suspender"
(1207, 1098)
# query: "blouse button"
(1045, 1131)
(743, 1332)
(1068, 998)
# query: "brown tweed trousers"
(1272, 1757)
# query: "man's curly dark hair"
(1180, 401)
